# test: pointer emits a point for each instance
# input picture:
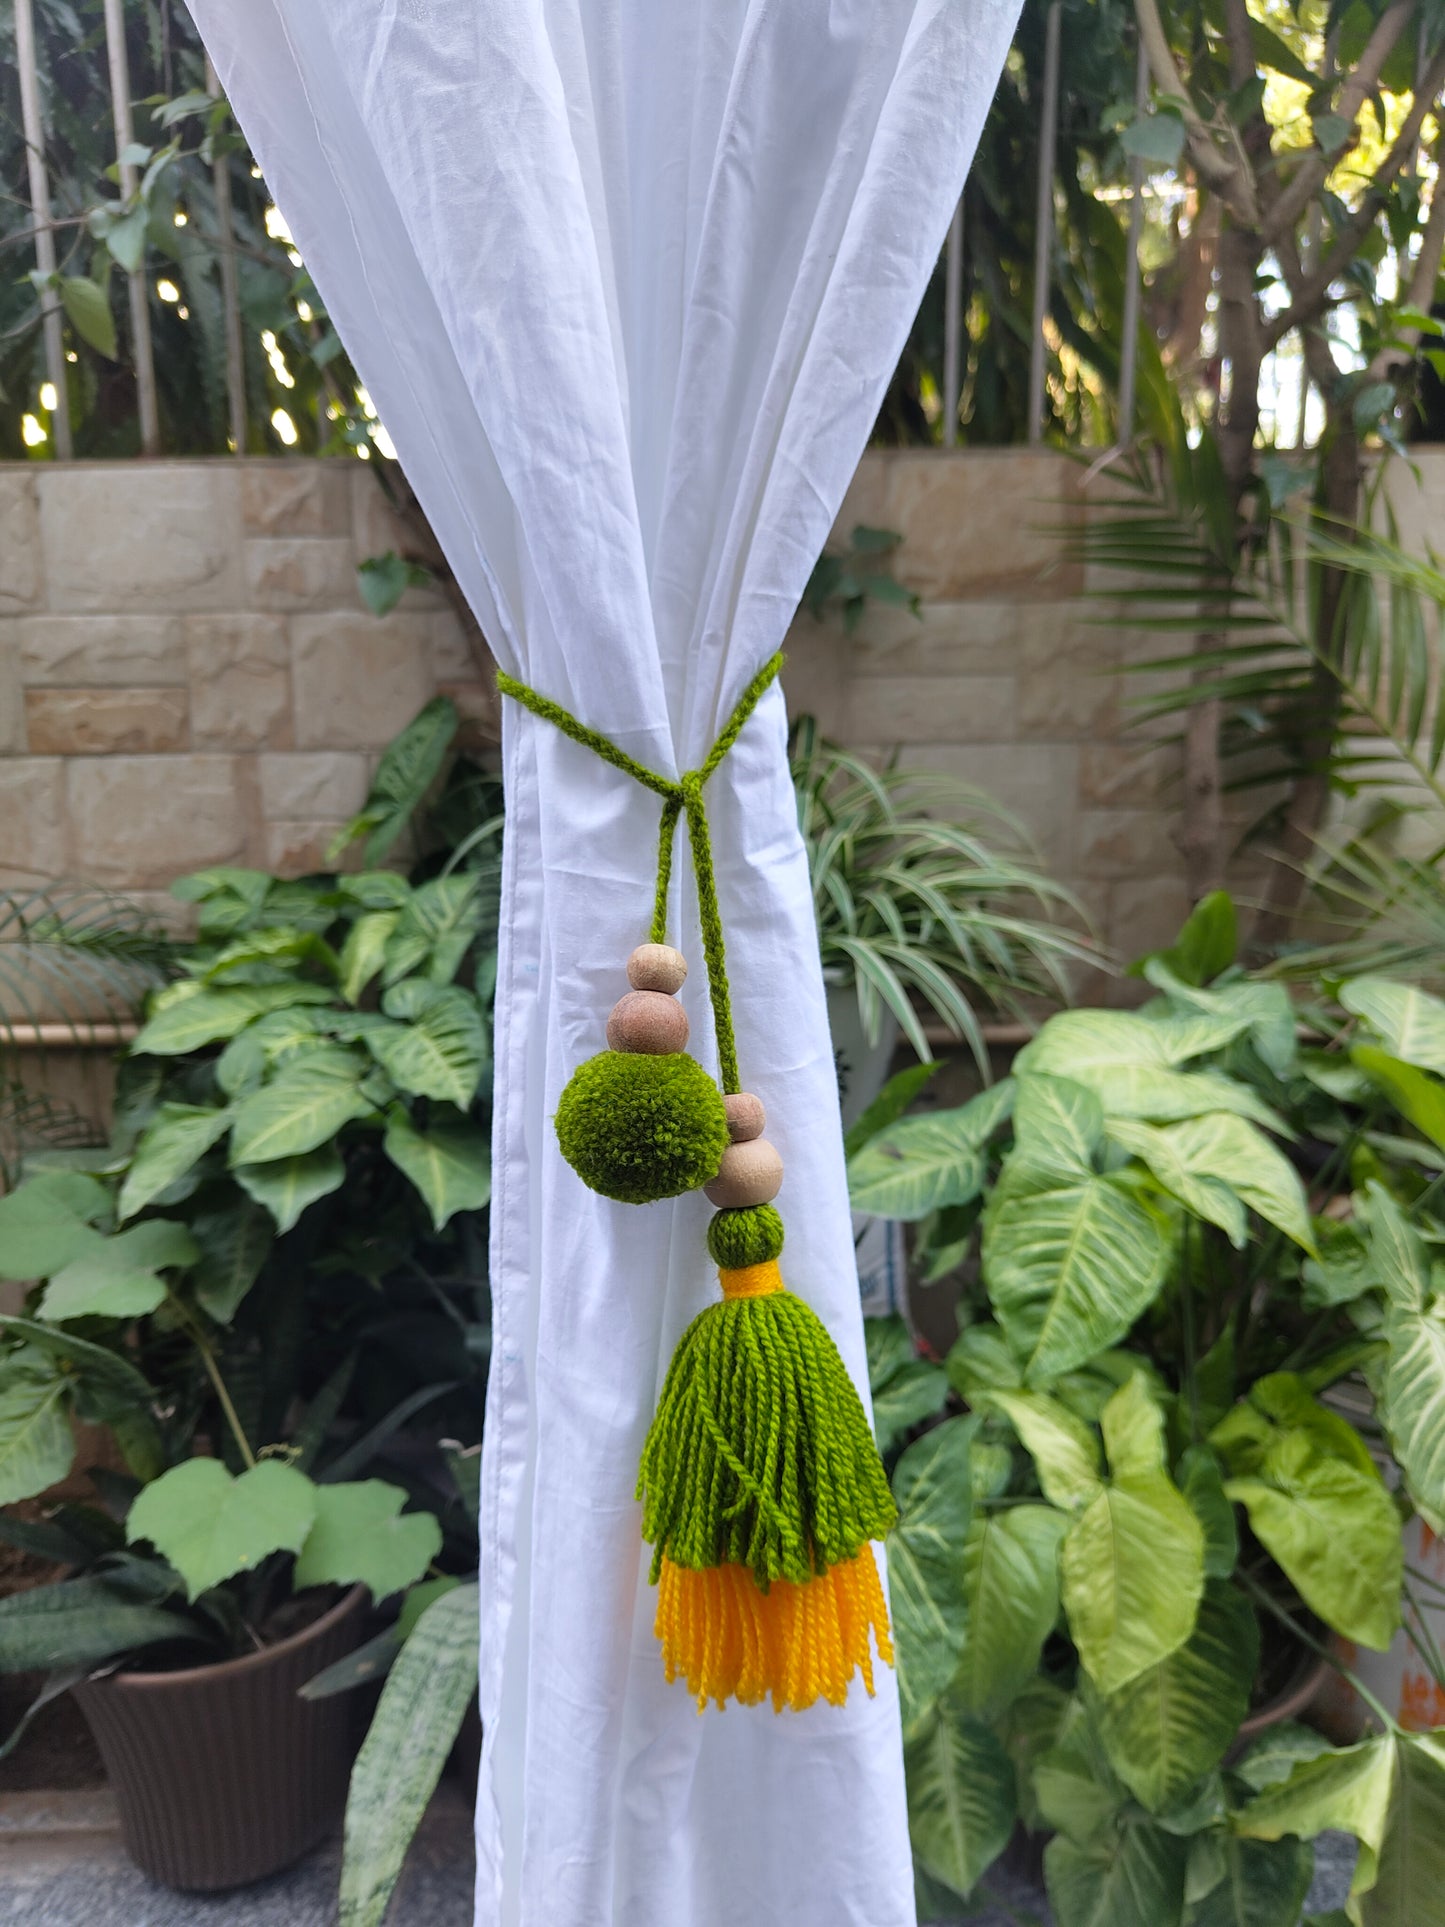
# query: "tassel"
(762, 1490)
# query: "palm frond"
(75, 956)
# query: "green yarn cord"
(760, 1452)
(681, 796)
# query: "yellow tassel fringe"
(798, 1643)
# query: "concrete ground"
(62, 1865)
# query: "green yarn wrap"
(638, 1127)
(750, 1235)
(760, 1453)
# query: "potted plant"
(275, 1266)
(1136, 1517)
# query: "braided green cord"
(682, 796)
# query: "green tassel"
(760, 1452)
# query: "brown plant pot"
(223, 1774)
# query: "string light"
(49, 399)
(31, 433)
(179, 217)
(284, 427)
(303, 310)
(168, 291)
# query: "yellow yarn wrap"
(751, 1281)
(794, 1643)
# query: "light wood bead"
(657, 966)
(746, 1116)
(750, 1173)
(648, 1022)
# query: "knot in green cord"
(681, 796)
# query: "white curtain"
(626, 280)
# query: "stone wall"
(188, 675)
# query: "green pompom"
(750, 1236)
(638, 1127)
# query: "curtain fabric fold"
(626, 280)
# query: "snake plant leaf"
(1011, 1596)
(210, 1524)
(37, 1445)
(1133, 1560)
(300, 1110)
(361, 1536)
(421, 1709)
(449, 1163)
(180, 1134)
(201, 1016)
(1262, 1883)
(1174, 1722)
(48, 1221)
(120, 1276)
(1409, 1021)
(438, 1048)
(961, 1799)
(80, 1622)
(287, 1186)
(1062, 1447)
(1134, 1879)
(933, 1489)
(1216, 1166)
(1069, 1264)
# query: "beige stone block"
(357, 679)
(866, 500)
(116, 651)
(932, 709)
(452, 657)
(148, 536)
(817, 673)
(984, 522)
(301, 572)
(479, 708)
(240, 682)
(12, 703)
(1121, 844)
(146, 820)
(32, 818)
(1036, 783)
(310, 784)
(375, 525)
(298, 849)
(1056, 704)
(21, 574)
(296, 497)
(105, 722)
(1127, 774)
(1146, 913)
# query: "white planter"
(862, 1067)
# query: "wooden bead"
(657, 966)
(645, 1020)
(750, 1173)
(746, 1116)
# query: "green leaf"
(301, 1110)
(1216, 1165)
(1156, 139)
(120, 1276)
(233, 1244)
(125, 236)
(979, 1360)
(438, 923)
(920, 1165)
(207, 1016)
(1129, 1061)
(1133, 1560)
(79, 1622)
(412, 761)
(364, 951)
(362, 1537)
(1410, 1875)
(1202, 1484)
(106, 1385)
(1410, 1022)
(1133, 1880)
(1414, 1093)
(889, 1105)
(1065, 1455)
(1274, 1755)
(960, 1799)
(1398, 1251)
(1412, 1403)
(1175, 1721)
(396, 1772)
(179, 1136)
(383, 580)
(287, 1186)
(890, 1349)
(46, 1223)
(1350, 1788)
(1011, 1600)
(450, 1164)
(1263, 1884)
(913, 1394)
(37, 1446)
(439, 1047)
(209, 1524)
(87, 309)
(1069, 1265)
(934, 1493)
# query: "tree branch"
(1312, 173)
(1230, 178)
(1423, 280)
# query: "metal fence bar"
(140, 316)
(1129, 355)
(230, 290)
(1044, 219)
(34, 126)
(952, 325)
